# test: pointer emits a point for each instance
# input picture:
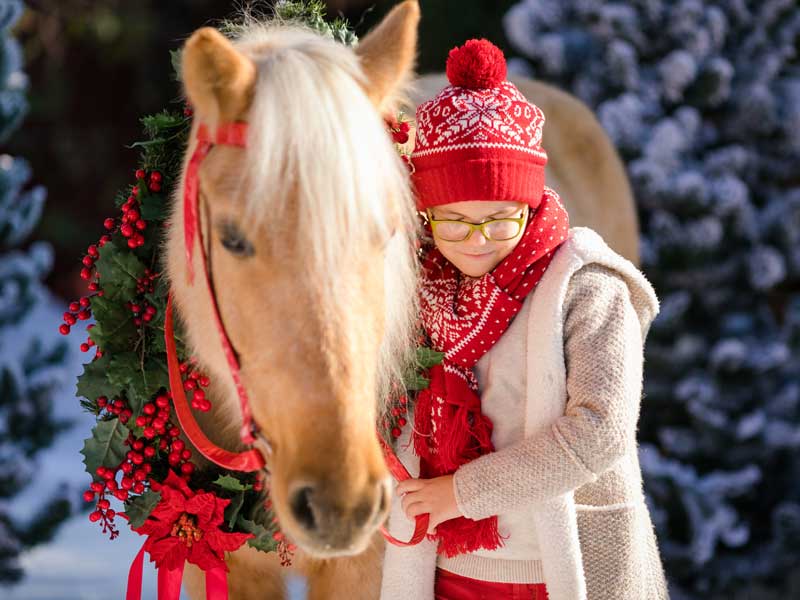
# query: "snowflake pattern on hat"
(479, 138)
(494, 117)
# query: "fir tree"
(702, 99)
(32, 354)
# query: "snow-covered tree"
(32, 353)
(702, 99)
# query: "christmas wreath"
(136, 453)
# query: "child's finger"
(410, 498)
(409, 485)
(407, 500)
(417, 508)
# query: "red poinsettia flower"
(184, 525)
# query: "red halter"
(233, 134)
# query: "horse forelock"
(317, 142)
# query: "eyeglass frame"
(478, 226)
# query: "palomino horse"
(583, 165)
(309, 233)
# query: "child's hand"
(434, 496)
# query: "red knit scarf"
(464, 318)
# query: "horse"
(583, 165)
(309, 237)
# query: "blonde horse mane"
(314, 136)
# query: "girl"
(524, 444)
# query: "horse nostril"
(301, 508)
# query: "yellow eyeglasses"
(498, 230)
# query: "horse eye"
(234, 242)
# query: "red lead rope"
(247, 461)
(400, 473)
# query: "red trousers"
(450, 586)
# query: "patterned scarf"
(464, 318)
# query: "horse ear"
(219, 80)
(387, 53)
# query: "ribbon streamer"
(169, 581)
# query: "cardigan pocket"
(614, 565)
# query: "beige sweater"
(565, 479)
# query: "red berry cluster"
(143, 312)
(103, 511)
(399, 130)
(159, 438)
(147, 283)
(154, 179)
(399, 419)
(92, 254)
(159, 435)
(193, 383)
(117, 407)
(132, 225)
(80, 310)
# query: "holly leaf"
(155, 375)
(232, 510)
(414, 382)
(262, 539)
(119, 271)
(153, 207)
(139, 381)
(106, 447)
(93, 383)
(156, 342)
(156, 124)
(114, 329)
(232, 484)
(428, 357)
(140, 507)
(122, 372)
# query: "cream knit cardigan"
(576, 471)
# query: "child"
(525, 441)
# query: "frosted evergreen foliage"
(13, 82)
(33, 355)
(702, 100)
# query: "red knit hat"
(479, 139)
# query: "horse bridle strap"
(247, 461)
(233, 134)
